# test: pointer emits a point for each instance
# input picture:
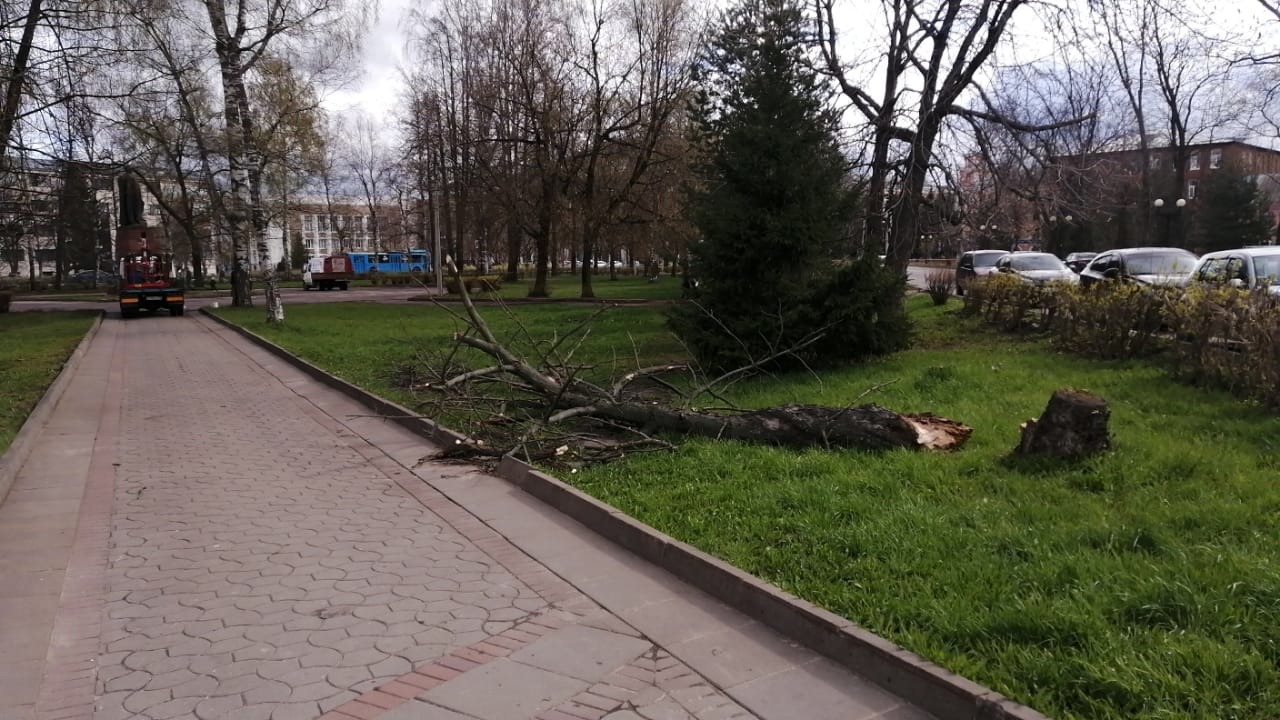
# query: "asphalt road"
(915, 278)
(291, 296)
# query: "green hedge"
(1220, 336)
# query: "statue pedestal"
(131, 239)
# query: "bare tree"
(369, 163)
(934, 50)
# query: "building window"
(309, 222)
(1193, 162)
(1215, 159)
(1191, 189)
(309, 243)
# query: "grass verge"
(33, 347)
(1143, 583)
(569, 287)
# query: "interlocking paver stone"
(246, 525)
(256, 558)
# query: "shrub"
(854, 310)
(939, 284)
(1111, 320)
(1219, 336)
(1230, 338)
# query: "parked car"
(1247, 268)
(1078, 260)
(975, 264)
(94, 278)
(1149, 266)
(1035, 267)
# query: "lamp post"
(1056, 225)
(1168, 215)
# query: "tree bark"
(1074, 424)
(867, 427)
(17, 76)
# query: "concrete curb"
(20, 449)
(942, 693)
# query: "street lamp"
(1055, 230)
(1169, 215)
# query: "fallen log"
(868, 427)
(553, 392)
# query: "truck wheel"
(130, 313)
(342, 286)
(175, 310)
(305, 287)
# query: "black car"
(1147, 266)
(1077, 261)
(94, 278)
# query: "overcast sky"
(377, 89)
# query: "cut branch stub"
(1074, 424)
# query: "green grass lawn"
(33, 347)
(568, 286)
(1143, 583)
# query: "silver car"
(1247, 268)
(974, 265)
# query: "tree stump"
(1074, 424)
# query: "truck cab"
(146, 283)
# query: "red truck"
(329, 272)
(146, 276)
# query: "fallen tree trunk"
(550, 391)
(869, 427)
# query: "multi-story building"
(1198, 162)
(343, 224)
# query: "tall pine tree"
(1233, 212)
(773, 202)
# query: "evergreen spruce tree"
(298, 254)
(773, 203)
(1233, 212)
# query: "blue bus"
(390, 262)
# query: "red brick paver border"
(429, 675)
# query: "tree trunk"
(588, 257)
(17, 76)
(868, 427)
(1074, 424)
(513, 251)
(235, 101)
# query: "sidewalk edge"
(20, 449)
(944, 694)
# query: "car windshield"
(986, 259)
(1267, 267)
(1035, 262)
(1158, 263)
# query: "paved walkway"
(203, 532)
